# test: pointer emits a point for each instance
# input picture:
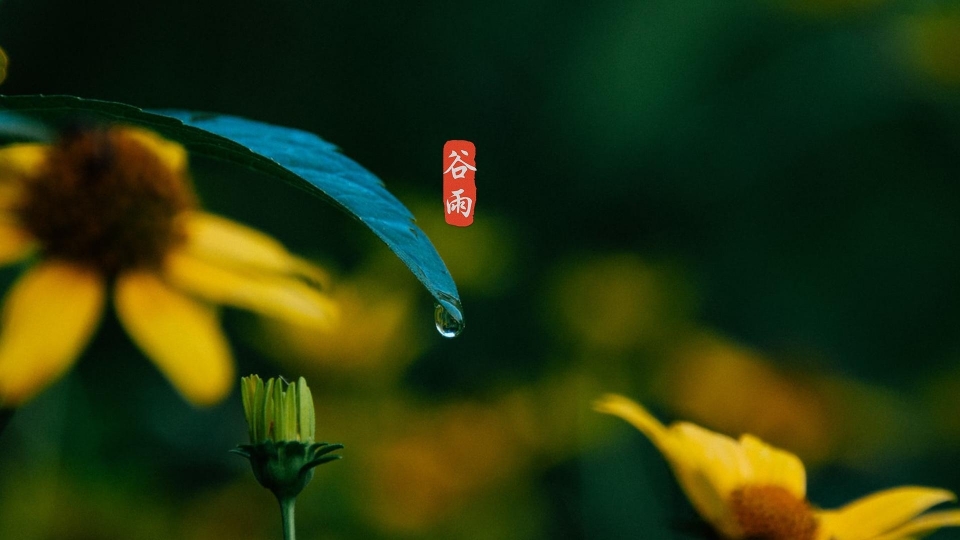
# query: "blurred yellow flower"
(818, 415)
(115, 205)
(443, 460)
(702, 381)
(617, 301)
(374, 339)
(482, 257)
(931, 42)
(748, 489)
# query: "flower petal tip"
(611, 403)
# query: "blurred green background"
(742, 213)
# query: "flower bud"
(277, 410)
(282, 424)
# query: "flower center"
(772, 513)
(106, 198)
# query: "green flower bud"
(278, 411)
(282, 425)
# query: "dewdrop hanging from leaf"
(282, 452)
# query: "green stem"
(289, 522)
(5, 416)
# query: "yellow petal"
(924, 525)
(48, 317)
(170, 153)
(637, 416)
(774, 467)
(881, 512)
(283, 298)
(229, 244)
(713, 466)
(708, 466)
(15, 243)
(19, 161)
(181, 335)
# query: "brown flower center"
(772, 513)
(106, 199)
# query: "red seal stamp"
(459, 182)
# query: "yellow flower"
(115, 207)
(748, 489)
(929, 38)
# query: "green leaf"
(20, 128)
(301, 159)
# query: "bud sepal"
(286, 467)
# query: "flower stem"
(287, 514)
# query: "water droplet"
(448, 316)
